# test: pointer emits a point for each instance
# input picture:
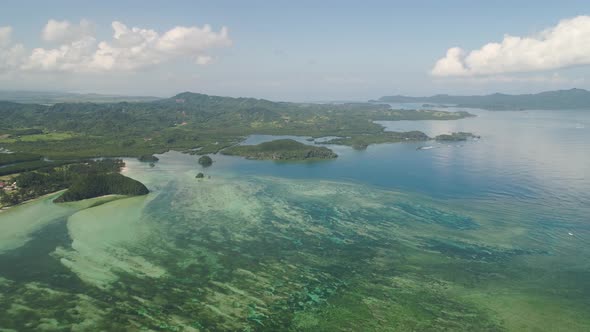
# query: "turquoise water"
(484, 235)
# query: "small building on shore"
(8, 187)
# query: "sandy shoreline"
(6, 208)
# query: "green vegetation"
(188, 122)
(35, 137)
(283, 149)
(85, 179)
(455, 137)
(12, 158)
(550, 100)
(205, 161)
(148, 158)
(200, 176)
(68, 133)
(361, 142)
(31, 166)
(25, 132)
(95, 185)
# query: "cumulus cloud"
(10, 55)
(565, 45)
(133, 48)
(65, 32)
(5, 34)
(76, 49)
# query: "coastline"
(108, 198)
(6, 208)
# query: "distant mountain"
(50, 98)
(561, 99)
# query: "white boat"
(425, 147)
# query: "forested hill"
(217, 104)
(199, 110)
(186, 122)
(572, 99)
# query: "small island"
(148, 158)
(282, 149)
(362, 141)
(456, 137)
(205, 161)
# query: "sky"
(294, 50)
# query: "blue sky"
(294, 50)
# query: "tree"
(205, 161)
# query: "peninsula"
(82, 179)
(96, 185)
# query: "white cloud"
(135, 48)
(68, 57)
(5, 34)
(565, 45)
(192, 39)
(65, 32)
(10, 55)
(78, 50)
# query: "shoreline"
(112, 197)
(6, 208)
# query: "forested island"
(456, 137)
(283, 149)
(362, 141)
(205, 161)
(148, 158)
